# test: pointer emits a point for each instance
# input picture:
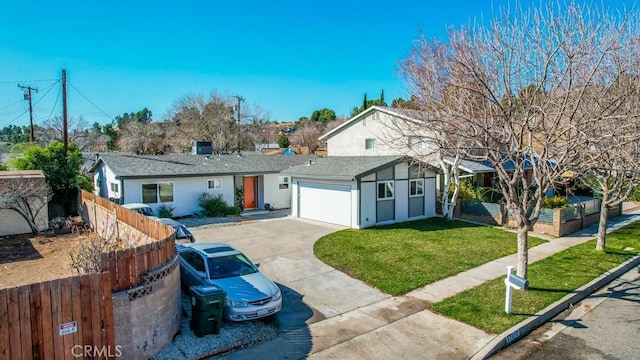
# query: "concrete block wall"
(144, 325)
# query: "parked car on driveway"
(250, 294)
(182, 233)
(143, 209)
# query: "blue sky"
(289, 57)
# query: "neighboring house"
(178, 181)
(23, 182)
(365, 180)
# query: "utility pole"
(27, 96)
(240, 98)
(64, 112)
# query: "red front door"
(250, 192)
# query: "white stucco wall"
(11, 223)
(350, 140)
(273, 195)
(186, 192)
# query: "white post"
(507, 300)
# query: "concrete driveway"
(284, 249)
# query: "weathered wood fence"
(73, 318)
(52, 320)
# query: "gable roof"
(406, 114)
(342, 167)
(126, 166)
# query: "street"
(606, 325)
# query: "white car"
(250, 294)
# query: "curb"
(525, 327)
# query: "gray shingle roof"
(472, 167)
(146, 166)
(342, 167)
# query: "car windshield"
(229, 266)
(146, 211)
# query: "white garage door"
(327, 203)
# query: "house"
(365, 180)
(28, 190)
(178, 181)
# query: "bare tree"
(608, 161)
(207, 118)
(474, 83)
(143, 138)
(78, 132)
(307, 134)
(27, 196)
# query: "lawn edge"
(525, 327)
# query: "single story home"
(178, 181)
(362, 191)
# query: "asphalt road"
(606, 325)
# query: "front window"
(370, 144)
(230, 266)
(283, 182)
(157, 193)
(416, 187)
(385, 190)
(214, 184)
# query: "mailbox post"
(513, 281)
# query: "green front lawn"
(550, 280)
(401, 257)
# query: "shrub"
(233, 210)
(465, 193)
(165, 211)
(214, 206)
(553, 202)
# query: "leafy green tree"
(112, 133)
(61, 171)
(283, 141)
(368, 103)
(323, 116)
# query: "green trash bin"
(207, 302)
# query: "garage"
(325, 202)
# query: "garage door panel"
(326, 203)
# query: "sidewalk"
(402, 327)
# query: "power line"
(90, 102)
(8, 106)
(27, 81)
(36, 103)
(54, 104)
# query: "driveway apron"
(284, 249)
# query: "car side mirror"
(257, 265)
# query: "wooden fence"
(57, 319)
(128, 265)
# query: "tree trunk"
(602, 225)
(523, 249)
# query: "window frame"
(370, 144)
(114, 187)
(386, 183)
(214, 181)
(416, 181)
(282, 181)
(191, 256)
(158, 196)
